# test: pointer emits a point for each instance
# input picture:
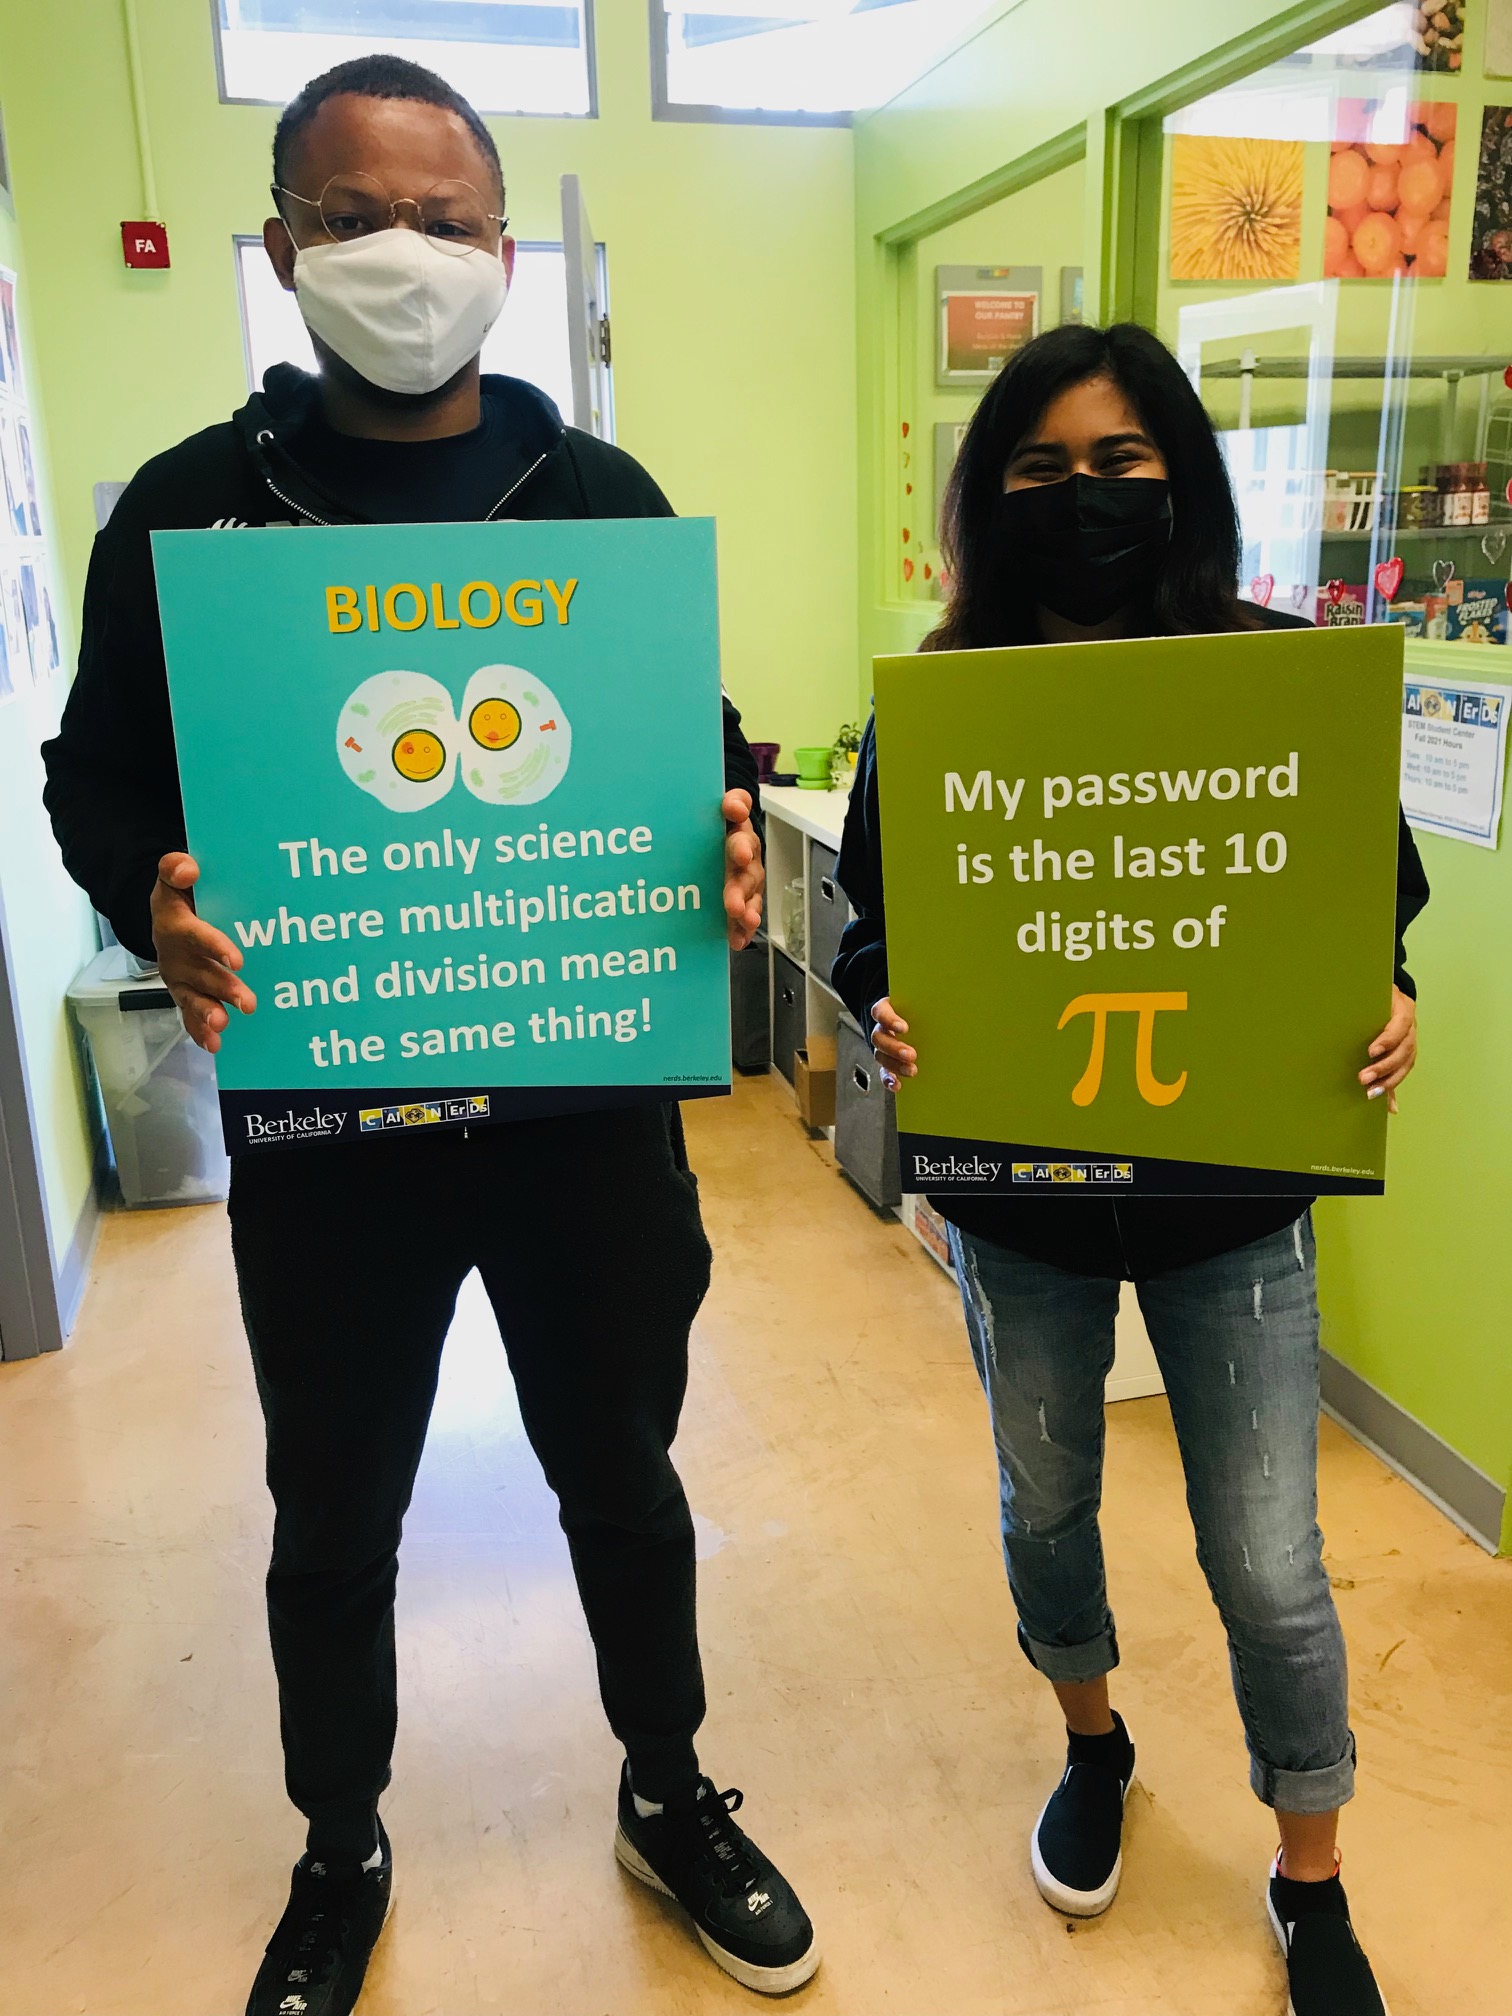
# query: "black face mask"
(1085, 547)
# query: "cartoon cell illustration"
(515, 740)
(397, 738)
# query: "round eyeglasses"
(452, 215)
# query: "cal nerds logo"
(1073, 1172)
(422, 1113)
(1443, 703)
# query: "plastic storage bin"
(157, 1086)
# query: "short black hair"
(377, 77)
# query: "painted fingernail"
(1375, 1091)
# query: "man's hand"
(745, 873)
(897, 1059)
(198, 963)
(1394, 1051)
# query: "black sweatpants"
(587, 1235)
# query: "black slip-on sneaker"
(743, 1908)
(1076, 1850)
(1326, 1971)
(319, 1953)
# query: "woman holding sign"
(1090, 500)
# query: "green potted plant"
(843, 753)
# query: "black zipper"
(303, 510)
(1123, 1251)
(517, 486)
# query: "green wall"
(1416, 1286)
(731, 273)
(51, 926)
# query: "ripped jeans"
(1237, 1342)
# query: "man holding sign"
(584, 1226)
(1139, 922)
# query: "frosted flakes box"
(1480, 615)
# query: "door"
(587, 317)
(30, 1320)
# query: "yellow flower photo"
(1236, 208)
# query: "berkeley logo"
(284, 1126)
(953, 1169)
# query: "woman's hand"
(198, 964)
(897, 1059)
(745, 873)
(1394, 1051)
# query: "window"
(794, 60)
(529, 340)
(505, 56)
(1331, 275)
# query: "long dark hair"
(1196, 588)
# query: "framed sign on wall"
(985, 314)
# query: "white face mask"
(404, 314)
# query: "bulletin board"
(985, 313)
(30, 643)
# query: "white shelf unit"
(796, 821)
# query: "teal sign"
(454, 791)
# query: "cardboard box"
(815, 1086)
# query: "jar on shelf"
(1480, 494)
(1417, 506)
(1456, 501)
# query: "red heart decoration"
(907, 536)
(905, 430)
(1509, 486)
(1388, 577)
(1262, 588)
(908, 489)
(1507, 376)
(1335, 592)
(1507, 594)
(908, 570)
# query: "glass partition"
(980, 288)
(1334, 239)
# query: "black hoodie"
(112, 772)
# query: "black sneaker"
(742, 1907)
(1077, 1847)
(317, 1957)
(1326, 1971)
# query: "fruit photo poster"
(1390, 174)
(455, 794)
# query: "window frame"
(590, 57)
(662, 108)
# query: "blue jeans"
(1237, 1342)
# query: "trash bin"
(157, 1086)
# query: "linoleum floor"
(865, 1687)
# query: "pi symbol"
(1154, 1091)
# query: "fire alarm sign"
(145, 244)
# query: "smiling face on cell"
(419, 755)
(494, 724)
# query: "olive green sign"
(1140, 904)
